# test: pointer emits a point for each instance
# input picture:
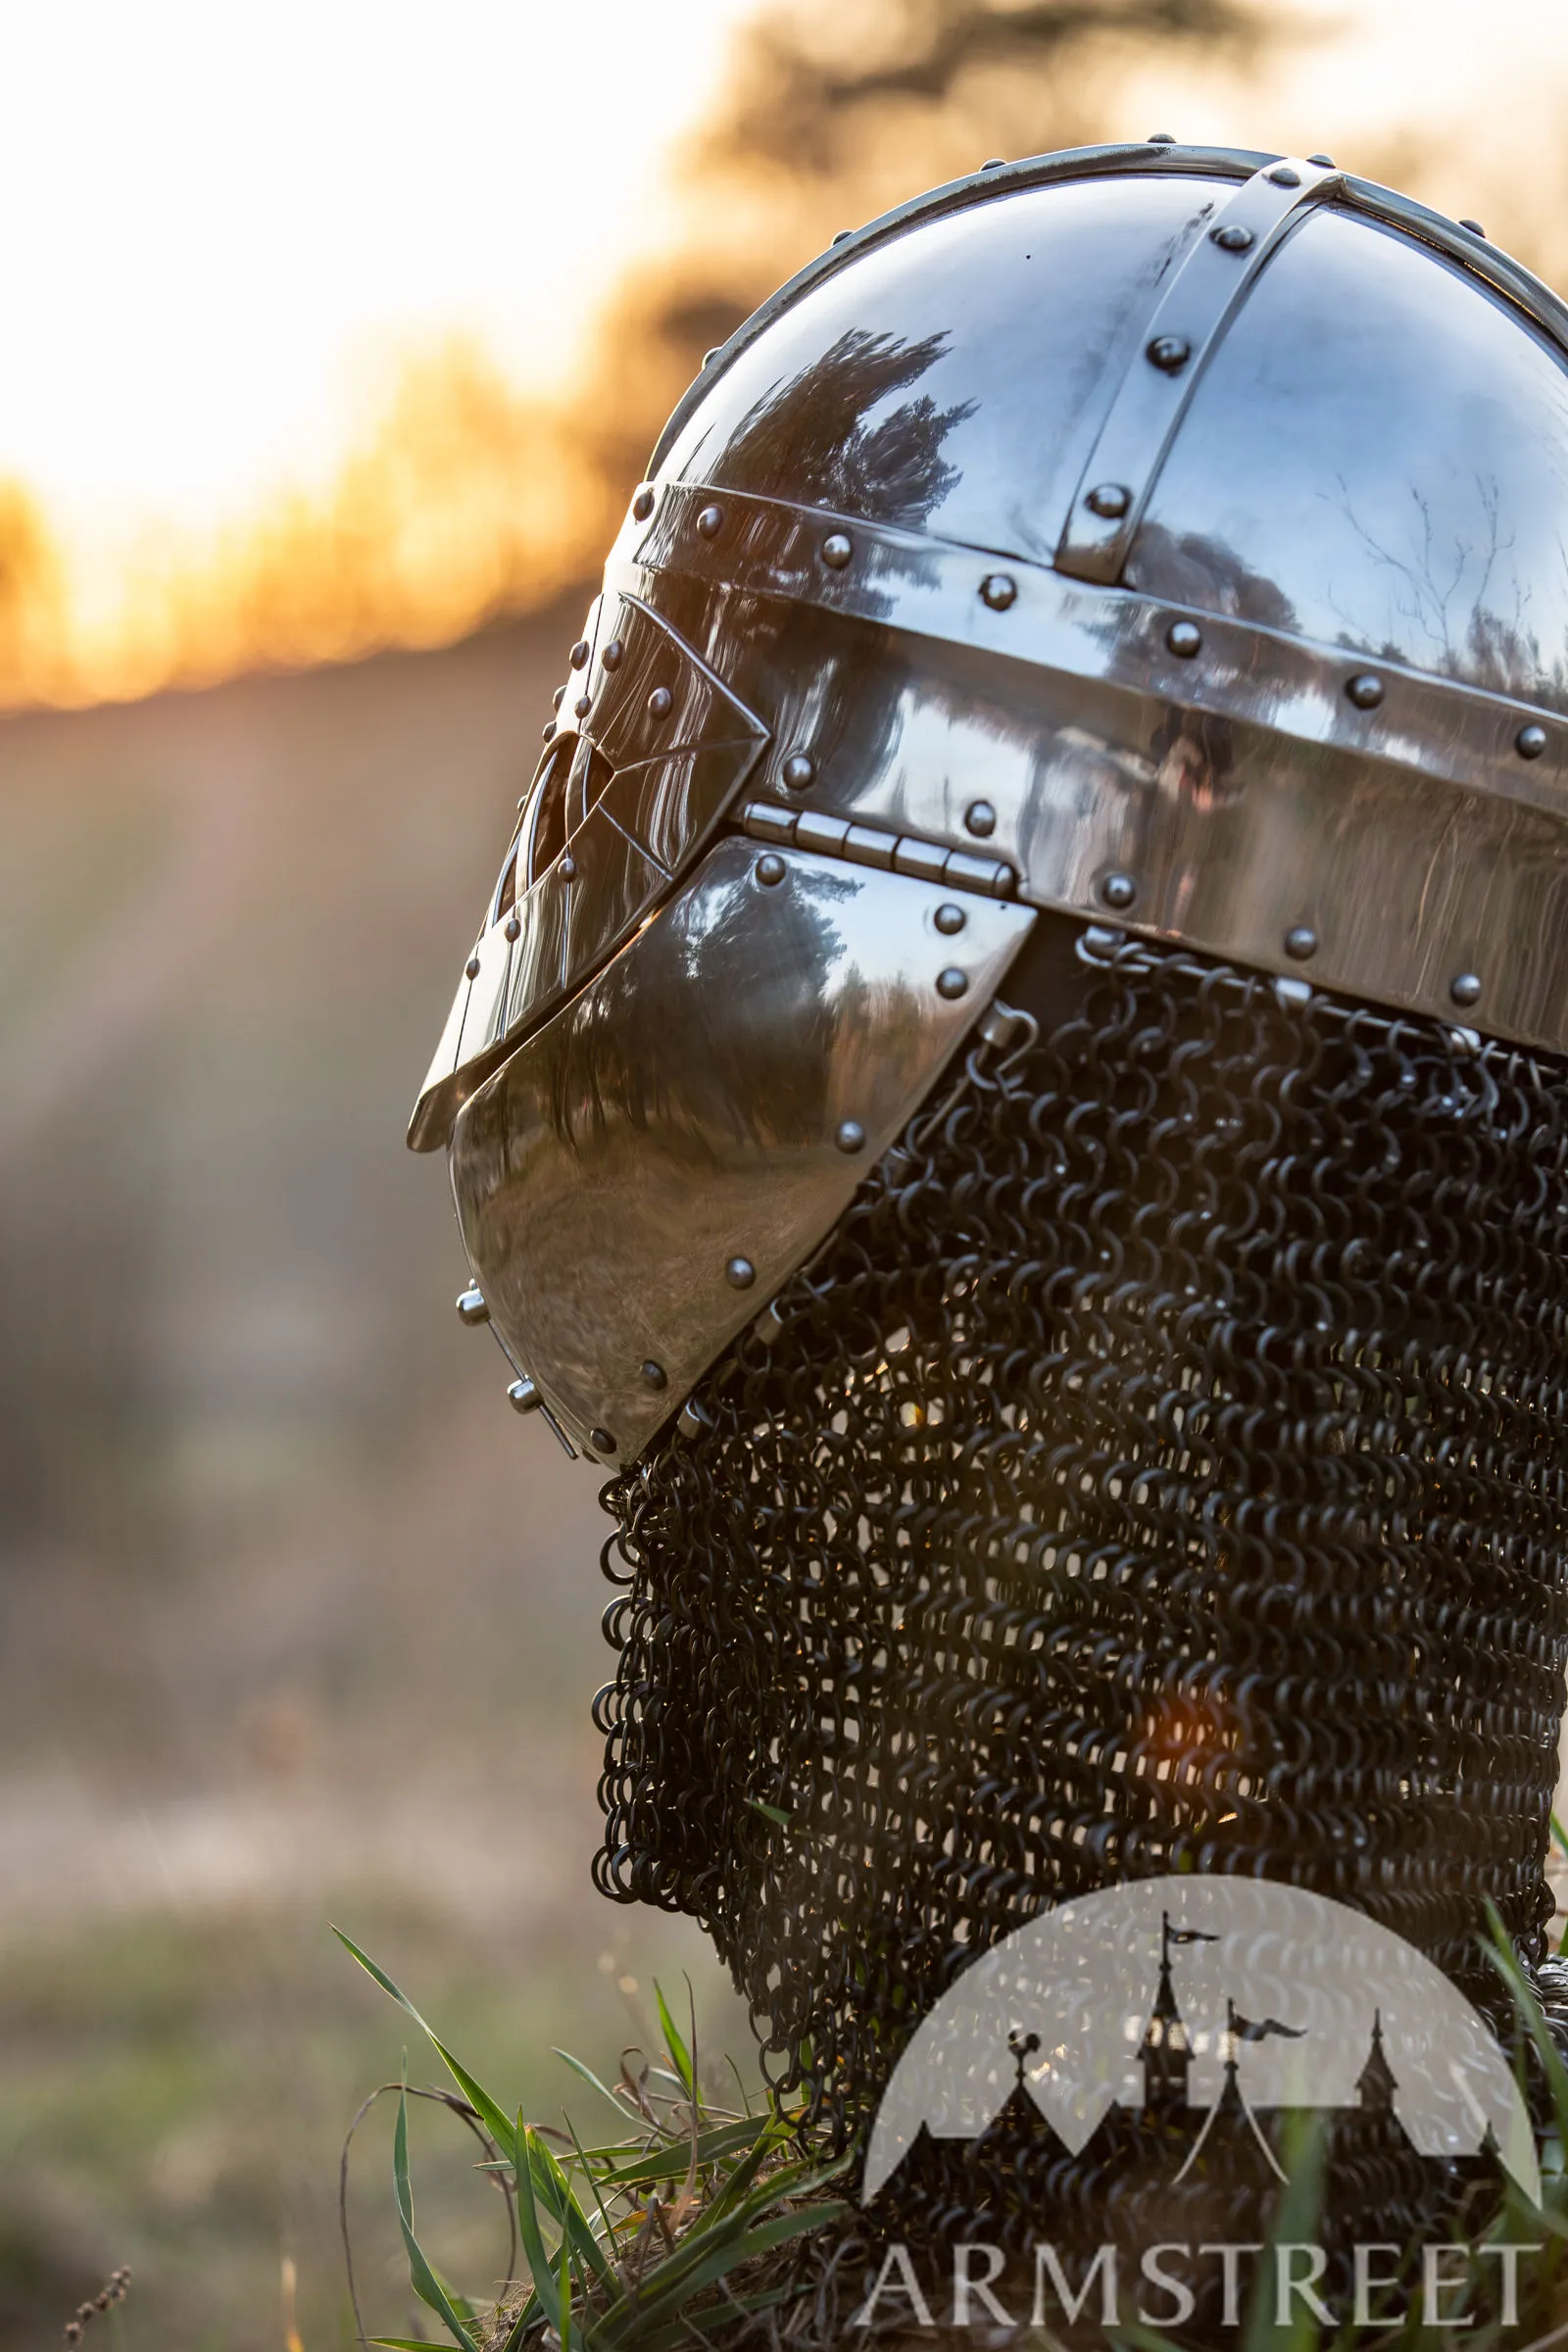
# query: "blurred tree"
(835, 110)
(32, 593)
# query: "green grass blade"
(668, 2291)
(674, 2045)
(671, 2164)
(594, 2084)
(552, 2184)
(426, 2285)
(478, 2098)
(534, 2239)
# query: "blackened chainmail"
(1161, 1467)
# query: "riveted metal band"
(1203, 295)
(1261, 798)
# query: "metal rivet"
(995, 162)
(951, 983)
(579, 652)
(1232, 237)
(1322, 163)
(1161, 138)
(999, 589)
(472, 967)
(558, 698)
(523, 1397)
(658, 702)
(740, 1273)
(567, 866)
(1466, 988)
(798, 770)
(512, 926)
(548, 729)
(472, 1308)
(654, 1376)
(769, 869)
(642, 506)
(1284, 176)
(1186, 638)
(1530, 742)
(980, 818)
(1109, 499)
(837, 549)
(1170, 352)
(1119, 891)
(582, 706)
(1301, 943)
(611, 657)
(710, 355)
(950, 919)
(1474, 227)
(843, 236)
(1365, 691)
(851, 1136)
(602, 1442)
(711, 521)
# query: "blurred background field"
(297, 1622)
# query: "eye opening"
(544, 818)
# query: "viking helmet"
(1011, 1086)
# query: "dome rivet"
(1475, 228)
(567, 866)
(995, 162)
(1110, 500)
(602, 1442)
(654, 1376)
(770, 870)
(642, 506)
(512, 926)
(579, 652)
(850, 1135)
(1321, 163)
(711, 521)
(1161, 138)
(740, 1273)
(837, 549)
(1232, 237)
(1365, 691)
(712, 354)
(548, 729)
(611, 657)
(1466, 988)
(1301, 943)
(980, 818)
(1119, 891)
(1170, 352)
(1285, 177)
(558, 698)
(581, 707)
(953, 983)
(1185, 639)
(798, 770)
(999, 589)
(472, 967)
(950, 921)
(658, 702)
(1530, 742)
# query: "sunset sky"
(227, 223)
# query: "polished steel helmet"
(1172, 538)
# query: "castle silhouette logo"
(1203, 2009)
